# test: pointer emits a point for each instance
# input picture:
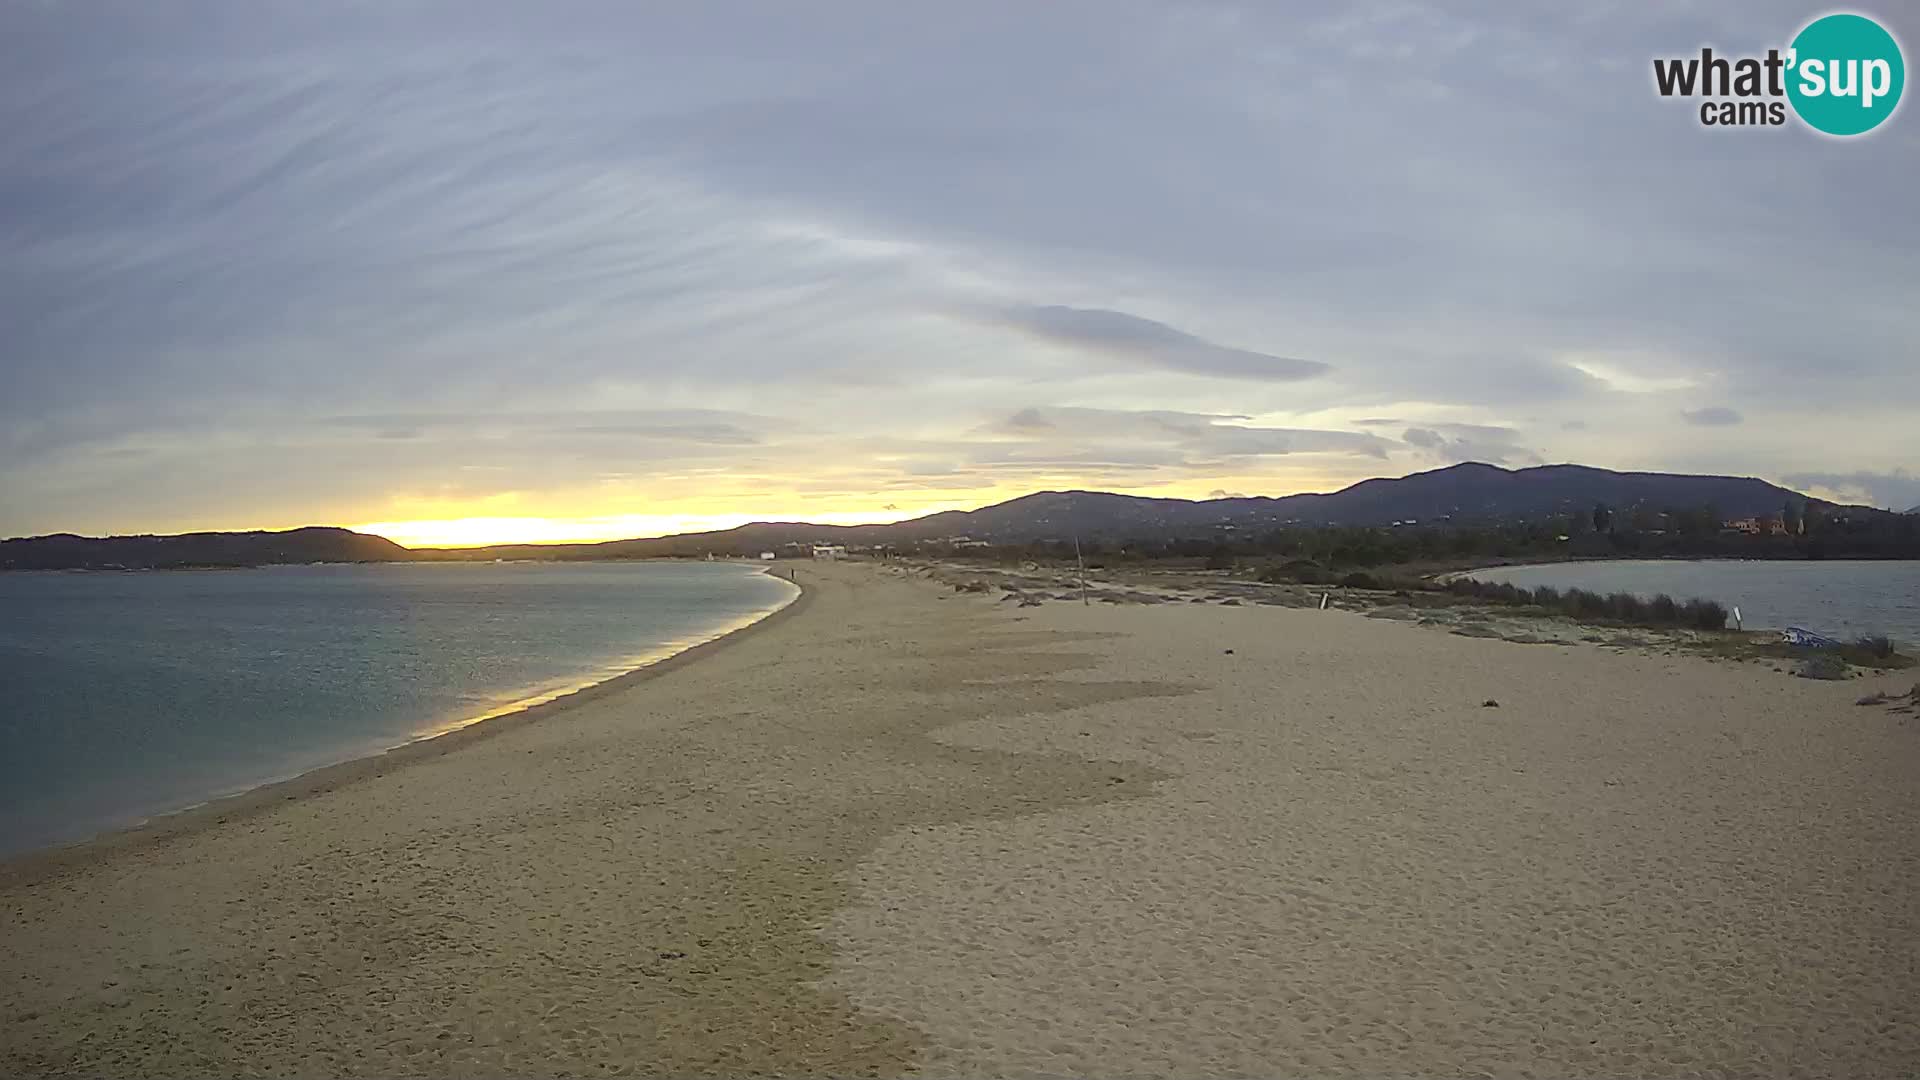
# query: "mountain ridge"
(254, 547)
(1456, 494)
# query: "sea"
(1838, 598)
(124, 695)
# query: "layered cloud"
(1117, 334)
(1712, 416)
(1450, 443)
(1897, 490)
(1196, 435)
(707, 426)
(353, 263)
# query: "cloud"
(1418, 372)
(1634, 377)
(622, 259)
(1234, 439)
(1712, 416)
(1470, 442)
(1196, 435)
(709, 426)
(1897, 490)
(1118, 334)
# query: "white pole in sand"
(1082, 563)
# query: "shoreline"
(1444, 576)
(928, 832)
(43, 863)
(1777, 594)
(637, 890)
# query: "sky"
(483, 271)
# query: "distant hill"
(1468, 493)
(65, 551)
(1459, 494)
(1480, 492)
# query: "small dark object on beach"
(1229, 652)
(1873, 699)
(1489, 704)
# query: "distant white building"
(829, 551)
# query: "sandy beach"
(899, 830)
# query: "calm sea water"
(1838, 598)
(127, 695)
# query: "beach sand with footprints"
(903, 829)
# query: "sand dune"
(906, 829)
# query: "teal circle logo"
(1845, 74)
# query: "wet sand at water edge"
(901, 830)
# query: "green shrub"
(1625, 606)
(1703, 615)
(1296, 572)
(1586, 604)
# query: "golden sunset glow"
(508, 519)
(483, 531)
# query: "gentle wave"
(127, 696)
